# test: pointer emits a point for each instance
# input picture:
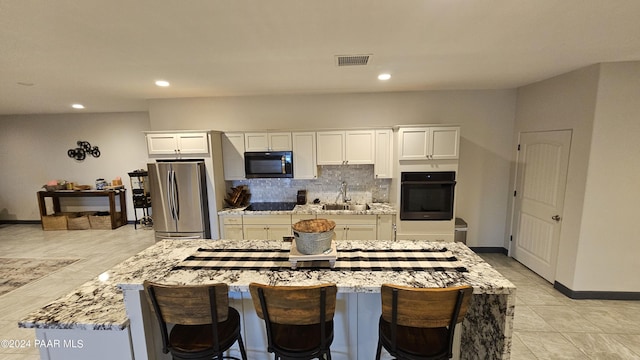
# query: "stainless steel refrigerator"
(179, 203)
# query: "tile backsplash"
(362, 186)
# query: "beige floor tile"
(550, 346)
(601, 346)
(564, 319)
(526, 319)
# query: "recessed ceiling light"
(77, 106)
(384, 76)
(162, 83)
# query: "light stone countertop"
(316, 209)
(98, 304)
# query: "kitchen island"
(114, 309)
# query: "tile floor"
(547, 324)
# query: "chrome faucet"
(343, 192)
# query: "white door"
(540, 186)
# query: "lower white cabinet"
(275, 227)
(386, 227)
(354, 227)
(231, 227)
(266, 227)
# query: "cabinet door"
(233, 232)
(361, 232)
(414, 144)
(340, 232)
(193, 143)
(330, 147)
(444, 143)
(162, 144)
(360, 147)
(304, 155)
(255, 232)
(233, 156)
(280, 141)
(385, 227)
(256, 142)
(383, 166)
(277, 232)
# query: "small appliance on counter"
(302, 197)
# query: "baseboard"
(489, 249)
(20, 222)
(596, 295)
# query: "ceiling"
(107, 54)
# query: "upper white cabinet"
(267, 141)
(304, 155)
(346, 147)
(233, 156)
(177, 143)
(383, 167)
(429, 143)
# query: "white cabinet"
(266, 227)
(330, 145)
(346, 147)
(383, 167)
(178, 143)
(429, 143)
(445, 142)
(231, 227)
(385, 230)
(304, 155)
(268, 141)
(233, 156)
(354, 227)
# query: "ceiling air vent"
(352, 60)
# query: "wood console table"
(117, 218)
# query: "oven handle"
(446, 182)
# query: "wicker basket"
(78, 222)
(313, 236)
(54, 222)
(100, 222)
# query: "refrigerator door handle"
(170, 193)
(176, 197)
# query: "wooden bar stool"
(298, 319)
(204, 324)
(419, 324)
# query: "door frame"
(516, 179)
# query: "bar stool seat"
(204, 325)
(298, 319)
(419, 323)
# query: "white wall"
(486, 118)
(564, 102)
(599, 244)
(607, 257)
(33, 150)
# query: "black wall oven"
(427, 195)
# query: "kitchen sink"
(354, 207)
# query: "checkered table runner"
(350, 260)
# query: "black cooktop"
(271, 206)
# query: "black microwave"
(271, 164)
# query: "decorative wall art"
(84, 148)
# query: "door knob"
(556, 217)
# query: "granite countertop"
(98, 304)
(316, 209)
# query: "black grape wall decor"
(84, 148)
